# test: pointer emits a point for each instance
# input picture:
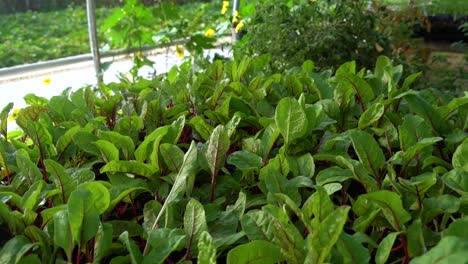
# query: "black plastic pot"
(444, 27)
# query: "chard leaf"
(108, 150)
(135, 255)
(30, 198)
(449, 250)
(390, 204)
(385, 247)
(103, 242)
(206, 249)
(188, 168)
(202, 127)
(172, 156)
(368, 150)
(457, 180)
(258, 252)
(62, 233)
(421, 107)
(257, 225)
(163, 242)
(460, 156)
(214, 154)
(371, 115)
(129, 126)
(194, 223)
(83, 216)
(290, 119)
(351, 251)
(132, 167)
(14, 249)
(244, 160)
(41, 138)
(4, 119)
(322, 240)
(124, 143)
(61, 179)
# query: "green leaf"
(415, 238)
(371, 115)
(133, 167)
(368, 150)
(108, 150)
(244, 160)
(83, 216)
(333, 174)
(61, 179)
(206, 249)
(30, 198)
(103, 242)
(163, 242)
(62, 233)
(27, 167)
(188, 168)
(99, 195)
(457, 228)
(442, 204)
(351, 251)
(135, 254)
(202, 127)
(322, 240)
(14, 250)
(460, 156)
(4, 119)
(385, 247)
(42, 139)
(257, 225)
(194, 223)
(124, 143)
(390, 204)
(143, 151)
(290, 119)
(449, 250)
(258, 252)
(172, 156)
(214, 151)
(302, 166)
(457, 180)
(64, 142)
(421, 107)
(129, 126)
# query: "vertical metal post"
(235, 9)
(91, 10)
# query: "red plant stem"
(44, 171)
(213, 185)
(78, 255)
(397, 247)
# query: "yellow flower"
(180, 53)
(46, 81)
(239, 26)
(139, 55)
(235, 18)
(225, 7)
(14, 115)
(210, 33)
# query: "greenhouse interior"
(233, 131)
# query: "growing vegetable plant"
(237, 164)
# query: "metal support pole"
(235, 9)
(91, 10)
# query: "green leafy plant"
(232, 163)
(326, 32)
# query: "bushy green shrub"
(327, 32)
